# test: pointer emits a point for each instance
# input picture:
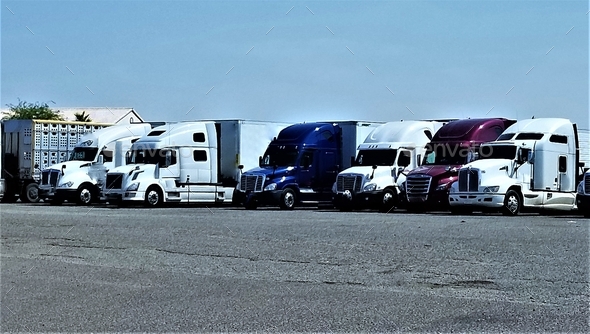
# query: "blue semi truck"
(301, 164)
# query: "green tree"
(82, 117)
(27, 110)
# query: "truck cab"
(80, 179)
(301, 163)
(454, 145)
(388, 152)
(534, 165)
(173, 163)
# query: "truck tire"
(387, 201)
(288, 199)
(30, 193)
(153, 197)
(512, 203)
(85, 195)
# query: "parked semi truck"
(301, 164)
(30, 146)
(536, 164)
(454, 145)
(388, 152)
(81, 178)
(189, 162)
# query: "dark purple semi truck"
(454, 145)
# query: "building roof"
(101, 115)
(105, 115)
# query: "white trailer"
(30, 146)
(80, 179)
(189, 162)
(535, 165)
(377, 173)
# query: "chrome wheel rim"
(512, 204)
(387, 197)
(153, 197)
(289, 199)
(85, 195)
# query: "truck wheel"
(388, 201)
(288, 199)
(154, 197)
(30, 194)
(85, 195)
(512, 203)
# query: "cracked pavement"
(192, 269)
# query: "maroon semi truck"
(454, 145)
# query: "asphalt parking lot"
(204, 269)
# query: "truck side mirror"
(519, 157)
(260, 161)
(531, 157)
(240, 167)
(168, 158)
(100, 159)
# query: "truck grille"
(54, 177)
(468, 179)
(114, 181)
(418, 185)
(349, 182)
(587, 183)
(45, 177)
(251, 182)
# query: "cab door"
(307, 170)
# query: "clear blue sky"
(300, 61)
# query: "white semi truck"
(81, 178)
(29, 146)
(189, 162)
(534, 165)
(376, 176)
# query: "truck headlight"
(133, 187)
(370, 187)
(66, 185)
(443, 186)
(493, 189)
(402, 187)
(581, 188)
(335, 188)
(270, 187)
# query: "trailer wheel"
(288, 199)
(154, 197)
(388, 201)
(512, 203)
(30, 194)
(85, 195)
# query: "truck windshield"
(83, 154)
(498, 152)
(155, 157)
(447, 155)
(276, 157)
(376, 157)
